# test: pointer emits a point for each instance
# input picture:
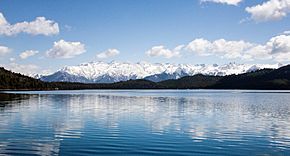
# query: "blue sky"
(216, 31)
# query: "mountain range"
(266, 79)
(101, 72)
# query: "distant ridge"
(101, 72)
(276, 79)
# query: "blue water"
(145, 122)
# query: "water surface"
(145, 122)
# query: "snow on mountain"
(101, 72)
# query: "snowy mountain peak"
(102, 72)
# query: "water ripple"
(145, 123)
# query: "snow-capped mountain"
(101, 72)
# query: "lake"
(145, 122)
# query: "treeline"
(262, 79)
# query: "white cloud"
(108, 53)
(283, 57)
(28, 53)
(221, 47)
(286, 32)
(200, 46)
(277, 48)
(279, 44)
(12, 59)
(26, 69)
(64, 49)
(162, 51)
(40, 26)
(270, 10)
(257, 52)
(178, 48)
(4, 50)
(228, 2)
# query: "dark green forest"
(261, 79)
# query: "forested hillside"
(263, 79)
(10, 80)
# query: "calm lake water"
(145, 122)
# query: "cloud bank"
(277, 48)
